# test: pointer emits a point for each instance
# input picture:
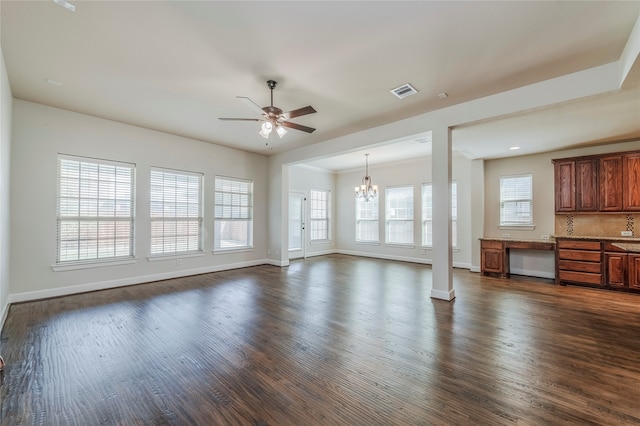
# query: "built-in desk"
(495, 253)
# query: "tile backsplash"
(595, 225)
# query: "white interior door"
(296, 225)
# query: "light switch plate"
(626, 233)
(545, 237)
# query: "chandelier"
(366, 191)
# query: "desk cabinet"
(492, 257)
(579, 261)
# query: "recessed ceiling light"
(513, 148)
(53, 82)
(442, 95)
(66, 5)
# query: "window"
(516, 200)
(399, 215)
(233, 223)
(319, 215)
(427, 214)
(95, 210)
(367, 228)
(176, 212)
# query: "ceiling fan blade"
(298, 126)
(298, 112)
(254, 106)
(240, 119)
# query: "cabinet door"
(611, 183)
(634, 271)
(587, 194)
(565, 185)
(631, 181)
(492, 261)
(616, 269)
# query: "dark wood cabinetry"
(598, 183)
(631, 181)
(579, 261)
(616, 269)
(633, 271)
(492, 254)
(622, 267)
(587, 185)
(610, 173)
(565, 185)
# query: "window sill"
(368, 243)
(397, 245)
(232, 250)
(175, 256)
(319, 242)
(453, 248)
(518, 227)
(72, 266)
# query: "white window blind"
(427, 214)
(95, 209)
(176, 212)
(233, 223)
(516, 200)
(319, 215)
(367, 220)
(399, 215)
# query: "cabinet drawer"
(491, 245)
(582, 255)
(574, 265)
(580, 245)
(580, 277)
(613, 247)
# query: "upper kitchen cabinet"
(631, 181)
(611, 183)
(565, 185)
(598, 183)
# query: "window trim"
(514, 225)
(387, 219)
(152, 219)
(249, 246)
(94, 262)
(327, 219)
(376, 220)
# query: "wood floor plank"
(335, 340)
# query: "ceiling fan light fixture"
(281, 130)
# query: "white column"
(477, 211)
(442, 269)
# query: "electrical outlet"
(506, 235)
(423, 251)
(179, 262)
(626, 233)
(544, 237)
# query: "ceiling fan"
(273, 117)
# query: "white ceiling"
(176, 66)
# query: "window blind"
(95, 206)
(516, 200)
(175, 212)
(319, 215)
(367, 220)
(399, 215)
(233, 219)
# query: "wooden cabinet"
(631, 181)
(633, 271)
(492, 257)
(615, 269)
(598, 183)
(611, 183)
(579, 261)
(565, 185)
(587, 193)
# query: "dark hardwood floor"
(333, 340)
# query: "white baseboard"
(103, 285)
(386, 256)
(475, 269)
(532, 273)
(443, 295)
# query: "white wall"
(304, 179)
(411, 172)
(6, 101)
(41, 132)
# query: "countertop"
(632, 240)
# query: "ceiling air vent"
(404, 91)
